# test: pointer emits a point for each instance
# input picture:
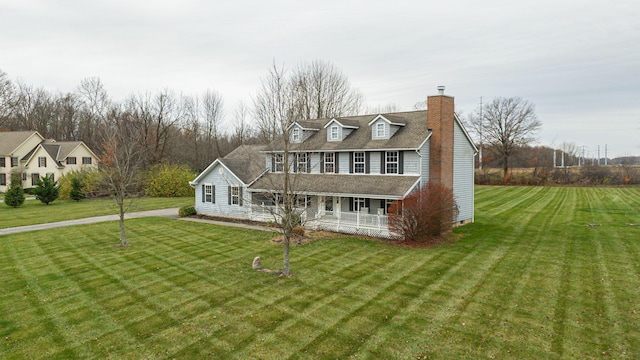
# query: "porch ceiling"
(382, 186)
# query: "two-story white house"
(347, 171)
(30, 154)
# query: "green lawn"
(35, 212)
(528, 280)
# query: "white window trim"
(381, 126)
(302, 165)
(392, 162)
(295, 134)
(334, 135)
(42, 161)
(356, 163)
(278, 160)
(208, 193)
(235, 195)
(332, 156)
(359, 203)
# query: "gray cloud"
(579, 62)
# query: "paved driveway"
(173, 213)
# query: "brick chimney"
(440, 119)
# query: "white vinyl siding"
(424, 163)
(374, 162)
(315, 163)
(343, 163)
(221, 184)
(411, 160)
(463, 173)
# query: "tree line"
(176, 128)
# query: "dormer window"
(334, 132)
(380, 133)
(383, 128)
(295, 135)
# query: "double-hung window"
(358, 163)
(334, 132)
(71, 160)
(235, 195)
(329, 162)
(302, 162)
(208, 193)
(295, 135)
(14, 161)
(380, 130)
(86, 160)
(3, 179)
(392, 162)
(2, 162)
(34, 179)
(278, 160)
(42, 161)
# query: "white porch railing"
(345, 222)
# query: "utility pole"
(598, 155)
(562, 159)
(605, 154)
(554, 158)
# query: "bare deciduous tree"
(122, 163)
(6, 98)
(314, 90)
(320, 90)
(506, 125)
(212, 114)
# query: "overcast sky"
(577, 61)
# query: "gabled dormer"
(383, 128)
(338, 130)
(300, 131)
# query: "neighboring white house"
(33, 156)
(347, 170)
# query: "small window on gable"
(86, 160)
(380, 130)
(71, 161)
(295, 135)
(42, 161)
(334, 132)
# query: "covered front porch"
(350, 215)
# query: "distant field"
(35, 212)
(528, 280)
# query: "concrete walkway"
(169, 213)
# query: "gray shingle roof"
(246, 162)
(387, 186)
(409, 136)
(10, 140)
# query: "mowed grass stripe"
(528, 280)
